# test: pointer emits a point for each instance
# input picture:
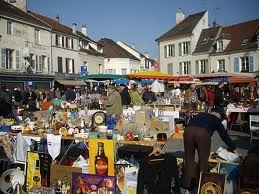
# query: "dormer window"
(220, 46)
(245, 41)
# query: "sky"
(140, 22)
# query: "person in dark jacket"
(70, 94)
(149, 96)
(17, 95)
(30, 95)
(219, 99)
(6, 102)
(197, 136)
(125, 96)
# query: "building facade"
(117, 59)
(190, 47)
(25, 44)
(177, 45)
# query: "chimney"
(179, 16)
(84, 29)
(21, 4)
(146, 54)
(74, 28)
(57, 18)
(133, 45)
(214, 24)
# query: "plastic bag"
(227, 155)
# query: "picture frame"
(211, 183)
(92, 183)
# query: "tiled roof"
(56, 26)
(113, 50)
(206, 39)
(8, 9)
(184, 27)
(241, 36)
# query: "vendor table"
(237, 111)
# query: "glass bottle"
(101, 161)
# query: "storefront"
(14, 80)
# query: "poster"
(130, 180)
(37, 170)
(89, 183)
(61, 178)
(101, 157)
(211, 183)
(231, 171)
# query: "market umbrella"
(157, 87)
(240, 79)
(121, 81)
(156, 75)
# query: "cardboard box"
(142, 115)
(61, 177)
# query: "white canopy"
(157, 87)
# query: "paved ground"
(242, 140)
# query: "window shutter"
(189, 47)
(165, 51)
(56, 40)
(236, 64)
(170, 68)
(180, 49)
(17, 59)
(196, 67)
(63, 41)
(67, 65)
(180, 68)
(73, 66)
(173, 50)
(3, 56)
(251, 63)
(189, 67)
(207, 66)
(36, 63)
(66, 42)
(72, 43)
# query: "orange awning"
(157, 75)
(239, 79)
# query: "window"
(185, 67)
(12, 1)
(244, 42)
(68, 43)
(60, 68)
(221, 65)
(31, 60)
(37, 36)
(41, 63)
(202, 66)
(9, 27)
(17, 59)
(70, 65)
(110, 71)
(170, 51)
(7, 58)
(170, 68)
(58, 40)
(220, 46)
(123, 71)
(185, 48)
(48, 70)
(244, 64)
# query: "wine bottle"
(101, 161)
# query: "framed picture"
(211, 183)
(37, 170)
(101, 157)
(231, 172)
(91, 183)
